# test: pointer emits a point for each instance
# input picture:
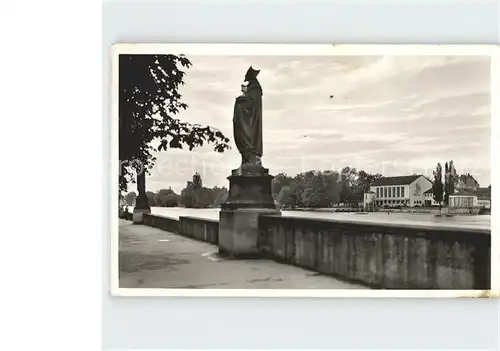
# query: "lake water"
(424, 219)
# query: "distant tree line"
(162, 198)
(194, 195)
(311, 189)
(316, 189)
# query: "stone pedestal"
(141, 207)
(250, 195)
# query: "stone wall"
(165, 223)
(387, 256)
(198, 228)
(381, 256)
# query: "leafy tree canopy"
(322, 188)
(149, 101)
(437, 186)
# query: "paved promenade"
(154, 258)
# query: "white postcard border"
(314, 50)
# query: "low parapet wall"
(196, 228)
(381, 255)
(161, 222)
(199, 228)
(388, 256)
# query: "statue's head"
(244, 88)
(251, 74)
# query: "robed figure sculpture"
(247, 120)
(250, 186)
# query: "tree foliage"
(194, 195)
(219, 195)
(450, 179)
(322, 188)
(286, 196)
(166, 198)
(130, 198)
(187, 196)
(149, 101)
(437, 186)
(151, 198)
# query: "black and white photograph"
(307, 170)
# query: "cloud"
(390, 113)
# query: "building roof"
(401, 180)
(465, 177)
(370, 192)
(483, 192)
(428, 191)
(463, 193)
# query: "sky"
(395, 115)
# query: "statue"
(250, 186)
(247, 120)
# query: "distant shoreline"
(415, 211)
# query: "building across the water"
(407, 191)
(463, 201)
(416, 191)
(483, 197)
(467, 182)
(429, 198)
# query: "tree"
(202, 197)
(130, 198)
(332, 187)
(437, 187)
(197, 196)
(322, 188)
(151, 198)
(450, 179)
(279, 181)
(219, 195)
(167, 198)
(349, 192)
(365, 180)
(446, 171)
(187, 196)
(286, 197)
(171, 200)
(149, 101)
(348, 179)
(310, 197)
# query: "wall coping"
(161, 216)
(445, 228)
(200, 219)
